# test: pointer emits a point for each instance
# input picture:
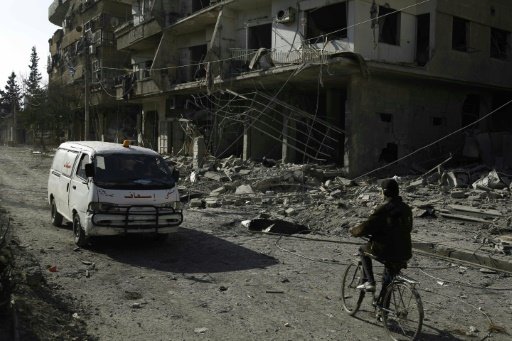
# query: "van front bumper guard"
(139, 217)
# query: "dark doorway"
(423, 39)
(151, 130)
(470, 109)
(197, 55)
(260, 36)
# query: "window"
(423, 39)
(329, 21)
(260, 36)
(500, 43)
(389, 26)
(80, 172)
(460, 34)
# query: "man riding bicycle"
(389, 228)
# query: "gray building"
(358, 83)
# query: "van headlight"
(99, 207)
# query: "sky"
(23, 24)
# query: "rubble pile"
(320, 198)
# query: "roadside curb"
(477, 259)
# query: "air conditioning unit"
(286, 16)
(92, 49)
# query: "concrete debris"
(216, 176)
(455, 179)
(199, 152)
(200, 330)
(504, 244)
(244, 189)
(491, 181)
(218, 191)
(197, 203)
(290, 197)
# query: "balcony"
(246, 60)
(128, 87)
(142, 36)
(57, 11)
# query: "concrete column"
(247, 143)
(101, 123)
(140, 128)
(284, 150)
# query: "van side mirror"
(89, 170)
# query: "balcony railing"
(241, 59)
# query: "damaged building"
(85, 61)
(357, 83)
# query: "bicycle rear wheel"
(351, 296)
(402, 312)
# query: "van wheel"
(78, 232)
(56, 216)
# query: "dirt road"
(216, 281)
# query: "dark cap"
(390, 187)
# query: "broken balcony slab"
(474, 258)
(478, 211)
(462, 217)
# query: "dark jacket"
(390, 228)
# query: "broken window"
(470, 109)
(423, 39)
(389, 26)
(329, 22)
(500, 43)
(260, 36)
(460, 33)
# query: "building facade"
(358, 83)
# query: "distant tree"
(33, 90)
(11, 97)
(35, 116)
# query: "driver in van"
(389, 228)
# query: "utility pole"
(14, 125)
(86, 86)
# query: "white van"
(110, 189)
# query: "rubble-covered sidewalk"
(462, 213)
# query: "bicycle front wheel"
(402, 312)
(352, 297)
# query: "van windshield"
(132, 171)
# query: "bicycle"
(398, 305)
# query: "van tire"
(78, 232)
(56, 216)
